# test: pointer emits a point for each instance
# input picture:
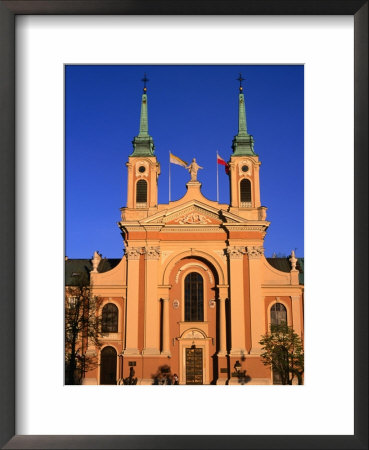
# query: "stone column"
(166, 345)
(297, 314)
(133, 257)
(256, 300)
(235, 254)
(152, 306)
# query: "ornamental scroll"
(255, 252)
(235, 252)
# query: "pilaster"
(235, 255)
(133, 274)
(152, 306)
(254, 254)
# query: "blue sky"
(193, 111)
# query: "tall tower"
(143, 167)
(244, 165)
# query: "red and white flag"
(223, 163)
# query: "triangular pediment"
(192, 213)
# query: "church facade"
(193, 292)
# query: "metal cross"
(240, 79)
(145, 79)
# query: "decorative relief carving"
(175, 304)
(212, 303)
(152, 253)
(241, 164)
(139, 164)
(194, 218)
(134, 252)
(193, 334)
(255, 252)
(187, 211)
(236, 252)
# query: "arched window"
(109, 319)
(278, 314)
(194, 298)
(245, 190)
(141, 191)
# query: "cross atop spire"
(243, 142)
(143, 144)
(145, 80)
(240, 79)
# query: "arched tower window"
(278, 314)
(245, 192)
(141, 191)
(194, 297)
(109, 322)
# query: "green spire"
(243, 143)
(143, 144)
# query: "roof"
(75, 267)
(284, 265)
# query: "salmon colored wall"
(246, 287)
(141, 303)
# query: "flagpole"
(169, 176)
(217, 180)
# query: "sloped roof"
(75, 267)
(284, 265)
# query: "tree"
(283, 351)
(82, 326)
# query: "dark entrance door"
(108, 367)
(193, 365)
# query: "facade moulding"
(255, 252)
(235, 252)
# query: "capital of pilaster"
(255, 252)
(133, 253)
(235, 252)
(152, 253)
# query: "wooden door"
(108, 366)
(194, 370)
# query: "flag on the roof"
(175, 160)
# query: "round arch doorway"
(108, 366)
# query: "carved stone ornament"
(134, 252)
(255, 252)
(241, 165)
(293, 260)
(212, 303)
(140, 173)
(175, 304)
(193, 218)
(236, 252)
(95, 262)
(152, 253)
(193, 334)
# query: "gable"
(192, 213)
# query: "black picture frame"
(8, 11)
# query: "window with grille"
(141, 191)
(194, 298)
(278, 314)
(109, 322)
(245, 189)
